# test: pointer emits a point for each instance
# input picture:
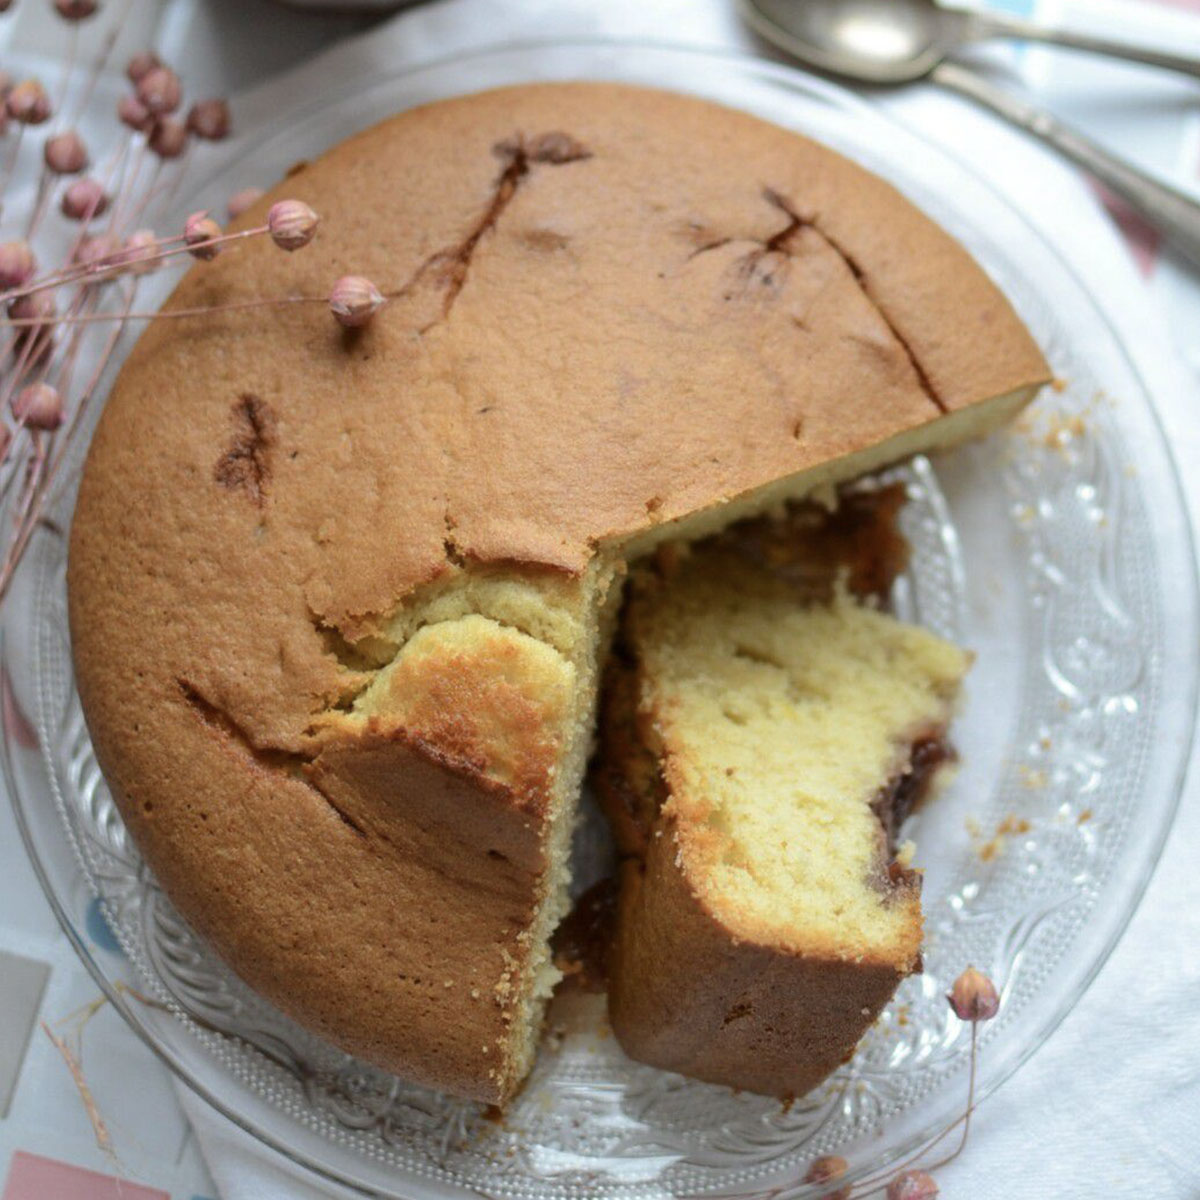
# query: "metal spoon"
(899, 41)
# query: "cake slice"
(764, 729)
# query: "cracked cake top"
(610, 310)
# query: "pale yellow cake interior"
(780, 723)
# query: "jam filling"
(904, 793)
(808, 546)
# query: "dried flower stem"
(89, 390)
(40, 204)
(128, 182)
(99, 63)
(165, 193)
(73, 1057)
(873, 1183)
(170, 313)
(170, 247)
(99, 1127)
(72, 59)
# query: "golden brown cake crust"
(613, 307)
(685, 996)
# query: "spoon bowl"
(871, 41)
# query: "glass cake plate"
(1058, 551)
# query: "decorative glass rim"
(836, 97)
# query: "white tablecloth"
(1110, 1105)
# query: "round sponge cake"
(339, 599)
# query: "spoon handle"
(978, 26)
(1174, 213)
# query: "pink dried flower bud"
(209, 119)
(240, 201)
(84, 199)
(17, 264)
(199, 229)
(168, 138)
(912, 1185)
(291, 224)
(39, 406)
(160, 90)
(95, 253)
(35, 306)
(135, 114)
(826, 1170)
(33, 346)
(65, 153)
(33, 343)
(974, 997)
(76, 10)
(28, 103)
(32, 305)
(354, 300)
(141, 64)
(140, 252)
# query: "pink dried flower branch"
(38, 391)
(48, 315)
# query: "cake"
(339, 600)
(764, 732)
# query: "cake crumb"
(1084, 817)
(904, 855)
(990, 850)
(994, 846)
(1033, 777)
(1012, 824)
(1062, 431)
